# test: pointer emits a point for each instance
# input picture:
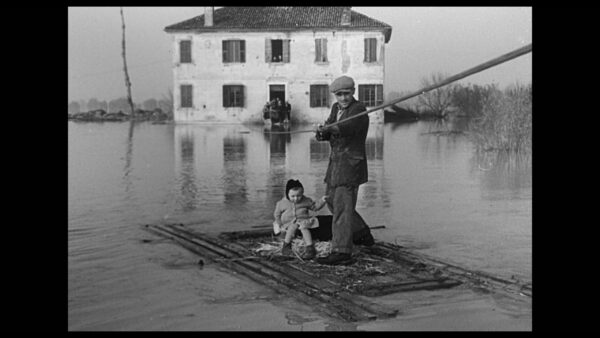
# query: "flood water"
(432, 192)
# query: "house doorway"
(277, 110)
(277, 91)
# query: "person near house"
(266, 111)
(277, 111)
(296, 211)
(288, 110)
(274, 111)
(346, 171)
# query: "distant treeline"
(121, 104)
(501, 119)
(457, 99)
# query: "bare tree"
(169, 97)
(127, 81)
(166, 103)
(129, 153)
(439, 100)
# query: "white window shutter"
(268, 50)
(286, 50)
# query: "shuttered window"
(277, 50)
(186, 96)
(370, 95)
(185, 51)
(370, 50)
(233, 96)
(320, 50)
(234, 51)
(286, 51)
(319, 95)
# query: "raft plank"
(384, 289)
(417, 265)
(331, 304)
(324, 286)
(513, 288)
(328, 308)
(427, 281)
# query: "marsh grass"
(505, 122)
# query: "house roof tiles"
(281, 18)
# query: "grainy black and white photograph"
(300, 169)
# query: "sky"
(424, 40)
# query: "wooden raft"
(420, 267)
(337, 291)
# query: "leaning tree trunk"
(131, 121)
(127, 82)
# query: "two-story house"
(230, 61)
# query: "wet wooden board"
(514, 287)
(324, 296)
(371, 274)
(337, 291)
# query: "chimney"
(346, 16)
(208, 16)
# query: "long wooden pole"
(491, 63)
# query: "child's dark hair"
(292, 184)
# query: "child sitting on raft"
(293, 212)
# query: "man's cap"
(341, 83)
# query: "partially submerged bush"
(470, 99)
(506, 120)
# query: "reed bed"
(505, 122)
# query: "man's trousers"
(341, 202)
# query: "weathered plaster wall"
(207, 73)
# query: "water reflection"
(277, 160)
(374, 142)
(433, 193)
(449, 125)
(198, 163)
(441, 141)
(128, 157)
(402, 125)
(227, 165)
(277, 141)
(427, 184)
(231, 166)
(188, 189)
(503, 171)
(473, 209)
(235, 189)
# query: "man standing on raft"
(347, 170)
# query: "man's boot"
(363, 237)
(336, 258)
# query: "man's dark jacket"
(348, 158)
